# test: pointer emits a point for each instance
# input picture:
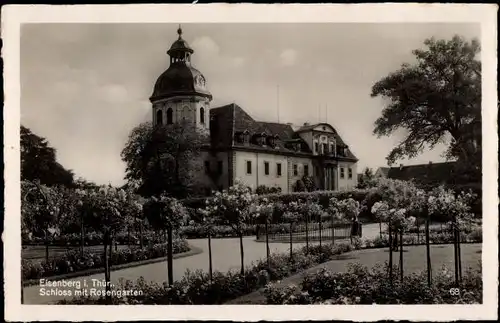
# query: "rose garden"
(388, 241)
(422, 243)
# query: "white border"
(15, 15)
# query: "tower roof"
(181, 78)
(180, 45)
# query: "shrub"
(72, 261)
(262, 190)
(196, 288)
(360, 285)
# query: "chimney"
(306, 124)
(400, 166)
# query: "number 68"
(454, 291)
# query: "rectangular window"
(278, 169)
(266, 168)
(350, 173)
(220, 166)
(295, 170)
(207, 167)
(249, 167)
(316, 147)
(324, 148)
(306, 170)
(342, 175)
(332, 149)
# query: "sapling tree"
(263, 212)
(208, 217)
(458, 209)
(166, 214)
(40, 209)
(235, 210)
(105, 214)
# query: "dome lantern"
(180, 52)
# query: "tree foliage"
(435, 100)
(163, 158)
(38, 161)
(367, 179)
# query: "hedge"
(72, 261)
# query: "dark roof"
(178, 79)
(228, 120)
(384, 170)
(424, 173)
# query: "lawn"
(413, 256)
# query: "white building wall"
(347, 183)
(257, 176)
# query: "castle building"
(258, 153)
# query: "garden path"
(413, 257)
(225, 256)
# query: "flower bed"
(360, 285)
(196, 287)
(72, 261)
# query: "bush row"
(360, 285)
(434, 238)
(73, 261)
(199, 231)
(96, 238)
(195, 231)
(322, 196)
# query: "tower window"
(342, 175)
(170, 118)
(159, 117)
(295, 170)
(202, 116)
(266, 168)
(350, 173)
(306, 170)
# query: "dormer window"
(246, 137)
(239, 137)
(262, 139)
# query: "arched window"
(169, 116)
(159, 117)
(202, 116)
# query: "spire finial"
(179, 31)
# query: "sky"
(84, 87)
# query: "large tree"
(436, 100)
(38, 161)
(164, 158)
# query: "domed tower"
(180, 93)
